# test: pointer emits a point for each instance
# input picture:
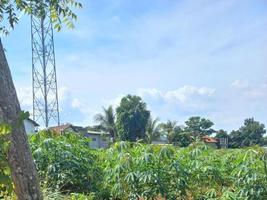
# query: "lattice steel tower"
(44, 80)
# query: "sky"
(184, 58)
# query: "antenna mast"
(44, 79)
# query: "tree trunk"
(23, 171)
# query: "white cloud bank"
(181, 94)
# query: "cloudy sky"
(183, 57)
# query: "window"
(94, 139)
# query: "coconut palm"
(152, 130)
(169, 126)
(106, 121)
(168, 129)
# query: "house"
(98, 139)
(223, 143)
(210, 141)
(67, 128)
(30, 126)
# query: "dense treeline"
(132, 121)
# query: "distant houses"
(98, 139)
(101, 139)
(213, 142)
(216, 142)
(67, 128)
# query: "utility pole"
(44, 79)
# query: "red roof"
(208, 139)
(60, 129)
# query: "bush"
(65, 163)
(136, 171)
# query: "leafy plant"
(129, 170)
(6, 186)
(65, 163)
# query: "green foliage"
(152, 130)
(140, 171)
(221, 134)
(6, 186)
(65, 162)
(199, 126)
(107, 121)
(251, 133)
(61, 12)
(264, 141)
(176, 134)
(168, 127)
(180, 138)
(137, 171)
(132, 118)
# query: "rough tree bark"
(23, 171)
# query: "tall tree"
(152, 130)
(19, 157)
(132, 118)
(199, 127)
(221, 134)
(169, 126)
(176, 134)
(264, 141)
(251, 133)
(106, 121)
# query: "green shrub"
(6, 186)
(65, 163)
(139, 171)
(135, 171)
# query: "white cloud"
(239, 84)
(86, 109)
(62, 93)
(151, 92)
(76, 103)
(184, 93)
(180, 95)
(115, 101)
(247, 90)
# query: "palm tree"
(106, 121)
(169, 126)
(152, 130)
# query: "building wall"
(97, 141)
(29, 127)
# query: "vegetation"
(6, 186)
(152, 130)
(69, 169)
(136, 171)
(131, 169)
(132, 118)
(65, 163)
(107, 122)
(18, 154)
(250, 133)
(199, 127)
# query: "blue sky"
(184, 58)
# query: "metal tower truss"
(44, 81)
